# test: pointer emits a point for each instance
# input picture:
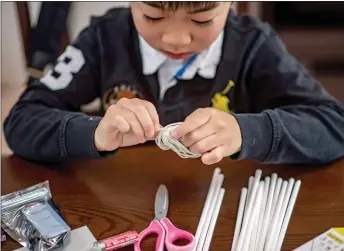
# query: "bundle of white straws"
(210, 212)
(264, 213)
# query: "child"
(227, 77)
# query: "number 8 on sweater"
(68, 63)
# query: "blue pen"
(185, 66)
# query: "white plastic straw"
(267, 213)
(254, 226)
(288, 214)
(282, 212)
(218, 184)
(206, 205)
(253, 230)
(249, 192)
(247, 219)
(276, 196)
(239, 217)
(272, 229)
(250, 184)
(262, 210)
(213, 221)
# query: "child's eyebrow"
(190, 8)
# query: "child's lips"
(176, 55)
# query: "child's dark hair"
(189, 6)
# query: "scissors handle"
(173, 233)
(154, 228)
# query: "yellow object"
(220, 101)
(339, 230)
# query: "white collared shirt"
(205, 64)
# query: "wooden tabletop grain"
(117, 194)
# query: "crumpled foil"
(32, 218)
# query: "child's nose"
(176, 38)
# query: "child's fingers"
(200, 133)
(121, 124)
(142, 116)
(214, 156)
(135, 125)
(206, 144)
(153, 113)
(191, 123)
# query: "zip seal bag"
(32, 218)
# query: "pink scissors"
(167, 232)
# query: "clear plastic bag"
(32, 218)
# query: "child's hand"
(210, 132)
(128, 122)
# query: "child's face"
(183, 32)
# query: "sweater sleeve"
(46, 124)
(293, 120)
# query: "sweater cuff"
(257, 135)
(79, 137)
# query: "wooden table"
(117, 194)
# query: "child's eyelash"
(200, 23)
(152, 19)
(204, 23)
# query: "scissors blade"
(161, 202)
